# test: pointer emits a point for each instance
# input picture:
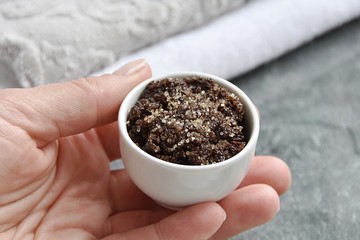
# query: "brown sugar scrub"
(190, 121)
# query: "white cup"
(174, 185)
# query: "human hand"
(56, 143)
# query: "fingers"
(255, 202)
(246, 208)
(128, 220)
(269, 170)
(125, 196)
(56, 110)
(197, 222)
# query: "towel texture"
(48, 41)
(240, 41)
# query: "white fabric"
(44, 41)
(258, 32)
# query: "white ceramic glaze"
(174, 185)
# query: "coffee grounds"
(189, 121)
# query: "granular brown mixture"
(190, 121)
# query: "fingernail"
(224, 216)
(131, 68)
(224, 213)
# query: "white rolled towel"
(240, 41)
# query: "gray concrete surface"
(310, 113)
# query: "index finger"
(62, 109)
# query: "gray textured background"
(310, 114)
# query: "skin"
(56, 143)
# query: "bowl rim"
(253, 136)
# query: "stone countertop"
(309, 102)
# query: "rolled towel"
(50, 41)
(242, 40)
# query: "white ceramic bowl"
(174, 185)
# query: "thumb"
(194, 223)
(62, 109)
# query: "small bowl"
(174, 185)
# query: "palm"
(82, 188)
(81, 199)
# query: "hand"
(56, 143)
